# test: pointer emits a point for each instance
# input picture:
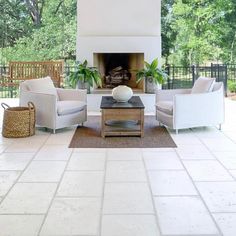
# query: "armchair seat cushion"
(165, 106)
(69, 107)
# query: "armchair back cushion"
(43, 85)
(203, 85)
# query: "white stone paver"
(207, 170)
(120, 154)
(127, 198)
(194, 151)
(87, 161)
(184, 216)
(226, 222)
(47, 188)
(88, 150)
(125, 171)
(219, 196)
(228, 159)
(171, 183)
(82, 184)
(129, 225)
(3, 147)
(57, 152)
(28, 198)
(62, 137)
(73, 216)
(233, 173)
(19, 225)
(7, 179)
(23, 147)
(14, 161)
(219, 144)
(162, 161)
(43, 171)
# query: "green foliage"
(231, 86)
(152, 70)
(46, 43)
(85, 74)
(168, 33)
(15, 22)
(54, 38)
(193, 31)
(199, 31)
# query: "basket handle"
(31, 106)
(4, 105)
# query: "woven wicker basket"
(18, 121)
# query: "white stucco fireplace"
(130, 27)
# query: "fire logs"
(117, 76)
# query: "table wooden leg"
(103, 125)
(142, 123)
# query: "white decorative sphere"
(122, 93)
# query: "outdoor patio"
(48, 189)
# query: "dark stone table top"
(109, 103)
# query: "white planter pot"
(84, 85)
(122, 93)
(150, 86)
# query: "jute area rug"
(89, 136)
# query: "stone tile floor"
(48, 189)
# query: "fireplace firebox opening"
(119, 69)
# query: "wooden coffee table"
(122, 119)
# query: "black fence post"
(173, 76)
(167, 69)
(212, 65)
(193, 74)
(11, 92)
(226, 79)
(218, 73)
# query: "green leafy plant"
(152, 70)
(232, 86)
(85, 74)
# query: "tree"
(168, 33)
(193, 31)
(228, 35)
(51, 31)
(35, 9)
(201, 26)
(14, 22)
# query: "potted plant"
(152, 75)
(84, 77)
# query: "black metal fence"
(179, 77)
(185, 76)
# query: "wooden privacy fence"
(19, 71)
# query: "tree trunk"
(35, 9)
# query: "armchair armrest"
(72, 94)
(168, 94)
(46, 107)
(190, 110)
(36, 97)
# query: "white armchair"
(180, 109)
(55, 108)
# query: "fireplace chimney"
(124, 26)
